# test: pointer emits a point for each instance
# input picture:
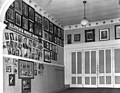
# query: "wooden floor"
(91, 90)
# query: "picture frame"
(26, 85)
(10, 15)
(117, 31)
(47, 56)
(18, 19)
(24, 23)
(18, 6)
(69, 39)
(38, 30)
(90, 35)
(25, 69)
(30, 26)
(31, 13)
(54, 29)
(76, 37)
(24, 9)
(104, 34)
(46, 35)
(51, 27)
(11, 79)
(46, 24)
(38, 18)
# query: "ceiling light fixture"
(84, 21)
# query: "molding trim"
(52, 64)
(92, 24)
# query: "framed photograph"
(38, 18)
(47, 56)
(58, 32)
(30, 26)
(46, 24)
(10, 15)
(46, 35)
(31, 13)
(25, 69)
(26, 85)
(90, 35)
(117, 31)
(77, 37)
(69, 39)
(17, 19)
(24, 9)
(25, 23)
(8, 69)
(51, 27)
(104, 34)
(54, 29)
(11, 79)
(38, 30)
(18, 6)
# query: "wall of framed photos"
(92, 34)
(33, 48)
(42, 79)
(22, 19)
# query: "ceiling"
(70, 12)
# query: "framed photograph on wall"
(38, 30)
(117, 31)
(90, 35)
(38, 18)
(18, 6)
(26, 85)
(51, 27)
(31, 13)
(46, 35)
(47, 56)
(24, 9)
(25, 69)
(10, 15)
(11, 79)
(104, 34)
(76, 37)
(46, 24)
(30, 26)
(18, 19)
(69, 39)
(25, 23)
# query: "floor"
(91, 90)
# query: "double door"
(95, 68)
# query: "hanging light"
(84, 21)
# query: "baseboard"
(65, 87)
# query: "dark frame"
(46, 35)
(31, 13)
(38, 30)
(46, 24)
(25, 23)
(11, 79)
(10, 15)
(47, 56)
(90, 35)
(117, 31)
(26, 85)
(30, 26)
(51, 27)
(69, 39)
(76, 37)
(24, 68)
(18, 6)
(38, 18)
(104, 34)
(18, 19)
(24, 9)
